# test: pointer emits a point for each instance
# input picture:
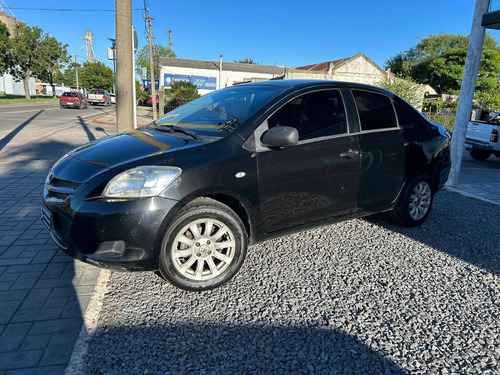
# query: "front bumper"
(121, 235)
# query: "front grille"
(57, 195)
(56, 182)
(58, 190)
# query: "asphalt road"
(33, 124)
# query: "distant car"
(99, 96)
(150, 100)
(112, 95)
(188, 193)
(72, 99)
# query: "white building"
(209, 76)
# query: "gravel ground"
(359, 297)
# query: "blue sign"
(147, 83)
(203, 83)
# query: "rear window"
(97, 91)
(375, 110)
(70, 94)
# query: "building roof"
(323, 67)
(214, 65)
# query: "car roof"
(302, 83)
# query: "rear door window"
(314, 115)
(375, 110)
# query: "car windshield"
(70, 94)
(220, 112)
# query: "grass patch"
(7, 99)
(447, 121)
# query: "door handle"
(348, 154)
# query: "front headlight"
(141, 182)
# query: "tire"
(204, 247)
(415, 203)
(480, 155)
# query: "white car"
(113, 97)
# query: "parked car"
(150, 100)
(113, 97)
(482, 138)
(99, 96)
(239, 166)
(72, 99)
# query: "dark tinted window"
(314, 115)
(406, 113)
(375, 110)
(70, 94)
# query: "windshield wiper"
(228, 126)
(177, 129)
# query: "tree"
(415, 62)
(33, 52)
(54, 56)
(142, 59)
(68, 76)
(96, 75)
(5, 45)
(439, 60)
(180, 93)
(246, 60)
(406, 88)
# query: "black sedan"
(187, 194)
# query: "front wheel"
(415, 203)
(480, 155)
(204, 247)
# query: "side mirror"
(280, 136)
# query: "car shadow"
(454, 229)
(219, 349)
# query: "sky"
(286, 33)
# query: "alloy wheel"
(420, 200)
(203, 249)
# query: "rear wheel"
(415, 203)
(480, 155)
(204, 247)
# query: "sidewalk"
(144, 116)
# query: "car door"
(316, 179)
(383, 151)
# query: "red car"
(150, 100)
(72, 99)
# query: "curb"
(98, 120)
(461, 192)
(89, 327)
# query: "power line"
(70, 10)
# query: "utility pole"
(467, 89)
(151, 68)
(124, 68)
(169, 39)
(76, 73)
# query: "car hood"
(121, 151)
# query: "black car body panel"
(324, 179)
